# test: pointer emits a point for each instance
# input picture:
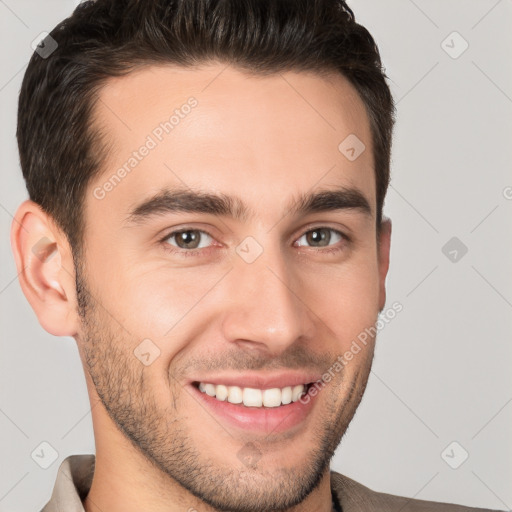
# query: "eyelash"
(199, 252)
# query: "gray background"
(442, 366)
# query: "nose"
(267, 308)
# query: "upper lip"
(260, 380)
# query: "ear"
(384, 243)
(45, 269)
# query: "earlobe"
(383, 254)
(45, 269)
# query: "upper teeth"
(254, 397)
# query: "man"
(206, 186)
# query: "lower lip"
(259, 419)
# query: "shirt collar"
(72, 484)
(74, 479)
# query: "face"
(183, 295)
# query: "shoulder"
(355, 497)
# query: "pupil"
(188, 237)
(319, 235)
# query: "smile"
(252, 397)
(269, 410)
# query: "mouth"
(254, 397)
(260, 410)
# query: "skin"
(265, 140)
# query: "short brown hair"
(60, 151)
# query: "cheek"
(165, 300)
(151, 297)
(346, 297)
(161, 310)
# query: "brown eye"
(321, 237)
(188, 239)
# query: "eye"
(189, 239)
(322, 237)
(194, 242)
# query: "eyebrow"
(195, 201)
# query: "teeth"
(209, 389)
(296, 392)
(235, 395)
(251, 397)
(286, 395)
(272, 397)
(221, 392)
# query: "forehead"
(216, 128)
